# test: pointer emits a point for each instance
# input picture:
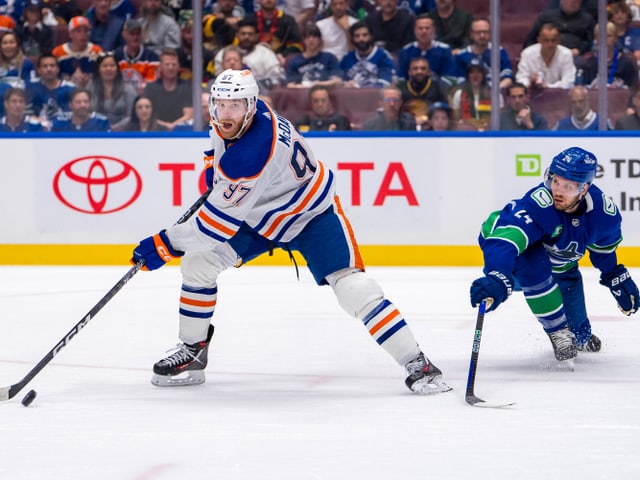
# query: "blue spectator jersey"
(320, 67)
(47, 102)
(96, 123)
(374, 70)
(28, 125)
(464, 57)
(439, 57)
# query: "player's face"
(565, 192)
(229, 116)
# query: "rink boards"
(412, 199)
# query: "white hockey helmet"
(235, 84)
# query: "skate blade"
(194, 377)
(426, 387)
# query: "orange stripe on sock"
(384, 321)
(198, 303)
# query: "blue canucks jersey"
(464, 57)
(439, 57)
(96, 123)
(533, 220)
(320, 67)
(374, 70)
(48, 103)
(28, 125)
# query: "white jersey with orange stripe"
(267, 178)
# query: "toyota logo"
(97, 184)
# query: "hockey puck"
(29, 398)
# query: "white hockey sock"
(387, 327)
(197, 305)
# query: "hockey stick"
(9, 392)
(470, 396)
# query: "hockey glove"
(623, 288)
(495, 286)
(155, 251)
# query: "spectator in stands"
(335, 29)
(421, 90)
(219, 27)
(159, 30)
(110, 95)
(632, 120)
(170, 95)
(36, 37)
(389, 115)
(303, 11)
(313, 66)
(575, 26)
(471, 100)
(185, 52)
(622, 71)
(322, 116)
(261, 60)
(48, 94)
(634, 7)
(142, 117)
(81, 118)
(277, 29)
(453, 24)
(7, 23)
(589, 6)
(441, 118)
(77, 57)
(437, 53)
(63, 10)
(390, 26)
(15, 118)
(124, 9)
(547, 64)
(137, 64)
(628, 34)
(517, 115)
(366, 65)
(106, 27)
(582, 117)
(205, 115)
(15, 68)
(480, 48)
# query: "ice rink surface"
(297, 390)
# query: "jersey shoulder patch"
(247, 157)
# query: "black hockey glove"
(623, 288)
(495, 286)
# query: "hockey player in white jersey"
(269, 192)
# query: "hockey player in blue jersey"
(538, 240)
(269, 192)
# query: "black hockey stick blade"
(11, 391)
(470, 396)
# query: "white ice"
(297, 390)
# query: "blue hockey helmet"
(574, 164)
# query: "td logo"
(528, 165)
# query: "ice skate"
(424, 377)
(564, 346)
(592, 345)
(185, 366)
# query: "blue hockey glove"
(623, 288)
(155, 251)
(495, 286)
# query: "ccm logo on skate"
(97, 184)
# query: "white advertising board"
(396, 190)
